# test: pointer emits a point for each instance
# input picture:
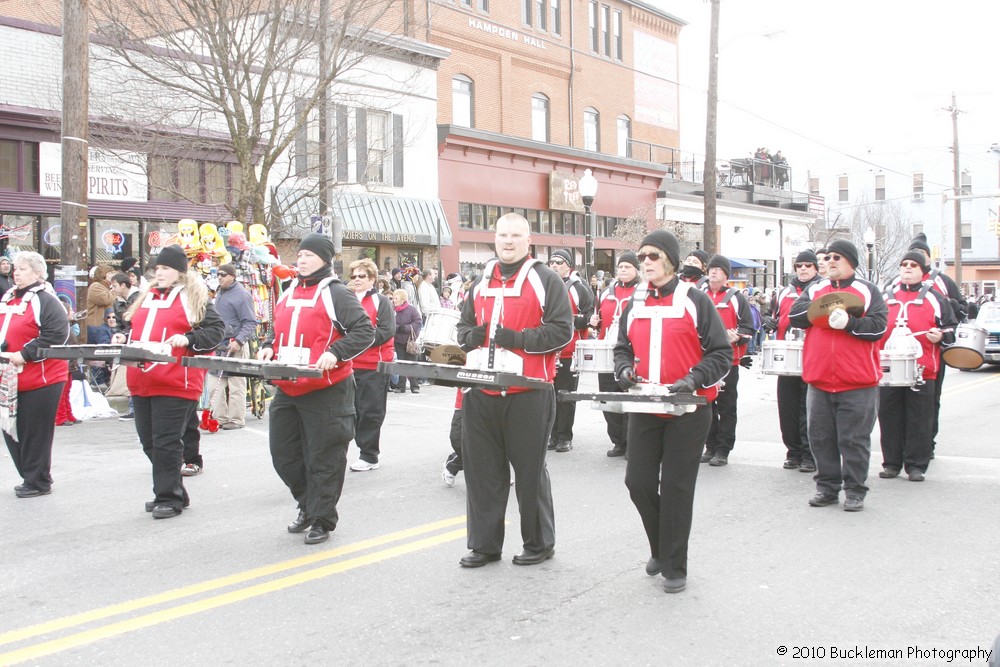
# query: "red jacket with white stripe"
(581, 300)
(735, 313)
(31, 319)
(613, 299)
(921, 314)
(383, 318)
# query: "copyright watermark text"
(962, 655)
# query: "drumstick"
(921, 333)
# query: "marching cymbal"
(820, 309)
(447, 354)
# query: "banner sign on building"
(111, 175)
(564, 192)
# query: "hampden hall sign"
(505, 33)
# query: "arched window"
(539, 117)
(591, 129)
(461, 101)
(624, 134)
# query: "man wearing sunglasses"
(906, 414)
(522, 306)
(581, 300)
(734, 309)
(840, 363)
(791, 390)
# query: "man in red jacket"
(840, 363)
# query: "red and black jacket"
(581, 300)
(383, 318)
(734, 309)
(922, 311)
(612, 301)
(783, 304)
(32, 319)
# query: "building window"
(918, 186)
(591, 129)
(966, 236)
(556, 17)
(461, 101)
(539, 117)
(879, 187)
(606, 29)
(842, 192)
(18, 165)
(526, 11)
(543, 14)
(481, 5)
(595, 36)
(616, 26)
(379, 169)
(195, 181)
(966, 183)
(624, 136)
(813, 185)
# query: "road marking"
(952, 389)
(233, 579)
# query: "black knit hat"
(318, 244)
(720, 262)
(564, 255)
(845, 248)
(667, 242)
(630, 257)
(173, 257)
(128, 263)
(807, 256)
(918, 257)
(919, 242)
(701, 255)
(227, 269)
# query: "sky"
(826, 81)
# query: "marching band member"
(695, 268)
(906, 414)
(175, 312)
(840, 363)
(521, 308)
(671, 334)
(791, 389)
(317, 322)
(581, 299)
(372, 387)
(734, 309)
(609, 310)
(32, 318)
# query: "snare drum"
(898, 370)
(441, 328)
(782, 357)
(969, 349)
(594, 356)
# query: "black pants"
(309, 436)
(369, 407)
(905, 416)
(661, 473)
(403, 355)
(498, 433)
(722, 435)
(160, 422)
(792, 416)
(36, 426)
(565, 380)
(938, 384)
(454, 462)
(617, 423)
(192, 440)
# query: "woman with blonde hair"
(174, 311)
(408, 323)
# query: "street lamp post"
(588, 190)
(869, 238)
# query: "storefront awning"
(375, 219)
(741, 263)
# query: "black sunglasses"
(557, 261)
(909, 264)
(651, 255)
(359, 276)
(834, 257)
(802, 265)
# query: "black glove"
(746, 361)
(627, 378)
(475, 338)
(769, 324)
(509, 339)
(683, 386)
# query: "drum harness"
(656, 315)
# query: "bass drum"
(782, 357)
(969, 350)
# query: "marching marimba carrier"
(645, 397)
(449, 375)
(130, 355)
(266, 370)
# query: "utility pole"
(711, 121)
(957, 183)
(73, 241)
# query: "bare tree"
(246, 76)
(893, 229)
(634, 228)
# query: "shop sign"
(111, 175)
(564, 192)
(386, 237)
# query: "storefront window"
(413, 256)
(492, 214)
(157, 235)
(543, 222)
(114, 240)
(17, 232)
(478, 216)
(465, 215)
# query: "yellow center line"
(221, 582)
(952, 389)
(232, 597)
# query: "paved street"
(89, 578)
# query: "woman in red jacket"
(174, 313)
(31, 318)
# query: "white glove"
(839, 319)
